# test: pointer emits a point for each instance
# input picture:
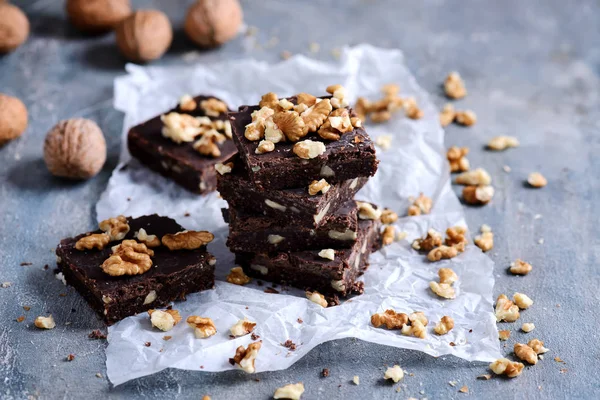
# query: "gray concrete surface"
(532, 70)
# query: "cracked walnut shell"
(210, 23)
(246, 357)
(14, 27)
(187, 240)
(237, 276)
(128, 258)
(203, 327)
(144, 36)
(13, 118)
(75, 149)
(95, 240)
(116, 228)
(390, 318)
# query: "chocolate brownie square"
(286, 206)
(352, 156)
(310, 270)
(177, 157)
(173, 274)
(252, 233)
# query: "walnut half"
(116, 227)
(128, 258)
(246, 357)
(390, 318)
(95, 240)
(187, 240)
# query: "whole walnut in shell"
(210, 23)
(145, 35)
(75, 149)
(94, 16)
(13, 118)
(14, 27)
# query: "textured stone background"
(532, 70)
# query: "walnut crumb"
(325, 372)
(292, 391)
(520, 267)
(128, 258)
(45, 322)
(536, 180)
(454, 86)
(527, 327)
(447, 115)
(317, 298)
(444, 326)
(224, 168)
(70, 357)
(384, 142)
(537, 346)
(388, 216)
(187, 103)
(522, 301)
(506, 310)
(237, 276)
(504, 366)
(328, 254)
(242, 327)
(464, 389)
(394, 373)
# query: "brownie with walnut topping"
(352, 156)
(172, 276)
(181, 162)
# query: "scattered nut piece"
(95, 240)
(466, 118)
(455, 237)
(447, 275)
(293, 391)
(485, 377)
(315, 115)
(464, 389)
(208, 144)
(265, 146)
(381, 116)
(390, 318)
(478, 195)
(246, 357)
(181, 127)
(525, 353)
(454, 86)
(485, 241)
(537, 180)
(394, 373)
(442, 252)
(384, 141)
(356, 380)
(418, 316)
(149, 240)
(522, 301)
(309, 149)
(242, 327)
(420, 205)
(368, 211)
(527, 327)
(504, 366)
(307, 99)
(317, 298)
(537, 346)
(187, 240)
(318, 186)
(224, 168)
(444, 290)
(389, 235)
(213, 107)
(429, 242)
(520, 267)
(444, 326)
(416, 329)
(447, 115)
(506, 310)
(476, 177)
(457, 158)
(116, 227)
(128, 258)
(500, 143)
(504, 334)
(164, 320)
(328, 254)
(237, 276)
(45, 322)
(388, 216)
(203, 327)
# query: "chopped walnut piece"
(95, 240)
(418, 316)
(265, 146)
(128, 258)
(455, 236)
(116, 227)
(522, 301)
(149, 240)
(273, 133)
(447, 115)
(242, 327)
(237, 276)
(388, 216)
(520, 267)
(316, 115)
(456, 158)
(317, 298)
(442, 252)
(269, 100)
(45, 322)
(476, 177)
(308, 149)
(389, 235)
(500, 143)
(390, 89)
(390, 318)
(208, 144)
(527, 327)
(485, 241)
(213, 107)
(368, 211)
(187, 240)
(454, 86)
(318, 186)
(306, 99)
(394, 373)
(416, 329)
(293, 391)
(361, 108)
(506, 310)
(224, 168)
(203, 327)
(381, 116)
(536, 180)
(538, 346)
(429, 242)
(504, 335)
(504, 366)
(478, 195)
(525, 353)
(384, 141)
(180, 127)
(328, 254)
(285, 104)
(291, 124)
(420, 205)
(466, 118)
(187, 103)
(164, 320)
(246, 357)
(447, 275)
(338, 99)
(337, 123)
(444, 290)
(464, 389)
(413, 111)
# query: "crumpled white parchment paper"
(398, 276)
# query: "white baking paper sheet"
(398, 276)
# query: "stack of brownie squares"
(292, 215)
